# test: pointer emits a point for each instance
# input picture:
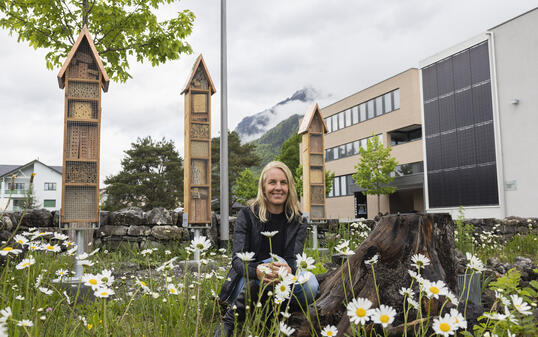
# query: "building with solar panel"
(389, 110)
(480, 112)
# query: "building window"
(335, 122)
(355, 112)
(405, 135)
(371, 111)
(396, 98)
(379, 106)
(362, 109)
(49, 203)
(348, 117)
(387, 98)
(17, 186)
(329, 124)
(50, 186)
(408, 169)
(336, 185)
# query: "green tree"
(151, 176)
(240, 157)
(245, 187)
(289, 153)
(120, 28)
(373, 170)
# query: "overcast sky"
(274, 48)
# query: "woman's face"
(275, 189)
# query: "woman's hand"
(268, 272)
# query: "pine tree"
(245, 187)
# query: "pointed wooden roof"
(83, 33)
(309, 117)
(199, 61)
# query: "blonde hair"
(291, 208)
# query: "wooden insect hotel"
(197, 173)
(83, 76)
(312, 129)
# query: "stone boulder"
(6, 223)
(38, 217)
(104, 218)
(139, 231)
(159, 216)
(168, 232)
(112, 231)
(127, 217)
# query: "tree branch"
(98, 40)
(66, 25)
(32, 26)
(126, 48)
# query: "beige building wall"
(408, 114)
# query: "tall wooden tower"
(197, 174)
(312, 129)
(83, 76)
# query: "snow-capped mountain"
(253, 127)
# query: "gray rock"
(159, 216)
(113, 230)
(177, 218)
(37, 218)
(6, 223)
(104, 218)
(493, 261)
(167, 232)
(523, 262)
(139, 231)
(150, 244)
(128, 216)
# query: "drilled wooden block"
(82, 141)
(199, 103)
(316, 159)
(80, 203)
(199, 172)
(82, 89)
(316, 143)
(199, 205)
(77, 172)
(199, 130)
(317, 195)
(199, 149)
(316, 176)
(317, 212)
(81, 110)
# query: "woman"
(275, 209)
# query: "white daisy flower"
(201, 243)
(9, 250)
(415, 276)
(83, 256)
(146, 252)
(286, 330)
(445, 326)
(373, 260)
(303, 277)
(26, 263)
(451, 297)
(305, 262)
(20, 239)
(106, 278)
(246, 256)
(86, 263)
(33, 246)
(45, 290)
(282, 290)
(172, 290)
(460, 321)
(60, 236)
(407, 292)
(383, 315)
(359, 311)
(92, 280)
(520, 305)
(93, 252)
(71, 251)
(283, 273)
(5, 314)
(143, 285)
(434, 289)
(25, 322)
(264, 269)
(329, 331)
(61, 273)
(20, 298)
(502, 298)
(279, 300)
(51, 248)
(68, 244)
(475, 263)
(419, 261)
(509, 316)
(103, 292)
(412, 302)
(269, 234)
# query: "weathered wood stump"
(396, 238)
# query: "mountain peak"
(254, 126)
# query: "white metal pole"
(224, 197)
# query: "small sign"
(510, 185)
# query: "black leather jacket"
(247, 238)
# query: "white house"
(46, 188)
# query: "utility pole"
(224, 197)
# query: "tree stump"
(396, 238)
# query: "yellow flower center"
(20, 241)
(93, 281)
(104, 293)
(26, 264)
(90, 326)
(434, 290)
(7, 249)
(282, 288)
(360, 312)
(444, 327)
(384, 318)
(143, 283)
(50, 247)
(329, 333)
(172, 290)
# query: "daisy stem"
(344, 281)
(350, 282)
(104, 317)
(468, 292)
(375, 285)
(198, 301)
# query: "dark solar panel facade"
(458, 124)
